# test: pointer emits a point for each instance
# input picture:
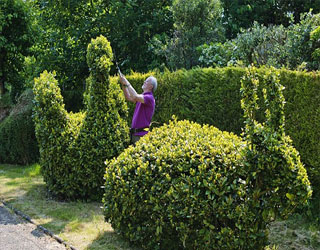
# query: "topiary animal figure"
(187, 186)
(73, 147)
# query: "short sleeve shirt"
(143, 113)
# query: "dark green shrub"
(190, 186)
(18, 142)
(73, 147)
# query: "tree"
(66, 28)
(69, 25)
(15, 41)
(195, 23)
(242, 13)
(132, 25)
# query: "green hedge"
(187, 186)
(212, 96)
(73, 147)
(18, 142)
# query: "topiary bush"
(73, 147)
(18, 141)
(187, 186)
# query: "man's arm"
(129, 92)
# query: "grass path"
(82, 224)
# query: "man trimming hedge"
(145, 105)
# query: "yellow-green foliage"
(212, 96)
(73, 147)
(194, 187)
(168, 189)
(278, 180)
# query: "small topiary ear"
(99, 55)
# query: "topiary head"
(99, 55)
(274, 168)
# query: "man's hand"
(123, 79)
(129, 92)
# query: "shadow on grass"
(111, 241)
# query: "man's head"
(150, 84)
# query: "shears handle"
(119, 71)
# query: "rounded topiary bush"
(180, 186)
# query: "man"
(145, 105)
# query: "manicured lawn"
(82, 224)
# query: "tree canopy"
(242, 13)
(15, 40)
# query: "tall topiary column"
(73, 147)
(50, 119)
(104, 133)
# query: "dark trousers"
(134, 139)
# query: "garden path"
(18, 234)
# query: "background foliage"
(242, 14)
(195, 22)
(156, 34)
(278, 46)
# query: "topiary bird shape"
(187, 186)
(73, 147)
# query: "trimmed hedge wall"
(212, 96)
(73, 147)
(18, 141)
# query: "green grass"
(82, 224)
(295, 233)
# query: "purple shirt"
(143, 113)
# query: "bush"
(18, 142)
(172, 184)
(278, 46)
(73, 147)
(190, 186)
